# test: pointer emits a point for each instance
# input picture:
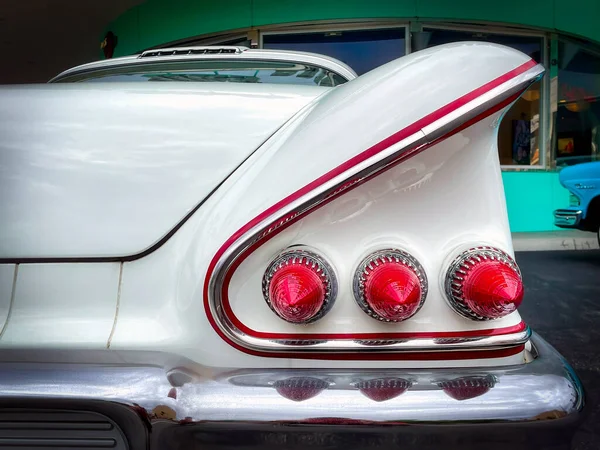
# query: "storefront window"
(519, 134)
(577, 136)
(362, 50)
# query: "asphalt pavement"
(562, 304)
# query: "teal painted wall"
(531, 196)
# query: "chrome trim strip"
(166, 395)
(334, 186)
(192, 51)
(358, 345)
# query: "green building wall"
(156, 22)
(531, 196)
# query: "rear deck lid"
(108, 170)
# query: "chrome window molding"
(335, 186)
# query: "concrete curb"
(555, 240)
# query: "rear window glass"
(216, 71)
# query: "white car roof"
(212, 53)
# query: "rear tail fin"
(401, 163)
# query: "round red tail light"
(484, 283)
(299, 286)
(390, 285)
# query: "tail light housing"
(484, 283)
(299, 286)
(390, 285)
(351, 201)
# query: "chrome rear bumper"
(527, 405)
(567, 218)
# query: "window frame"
(545, 154)
(334, 27)
(554, 93)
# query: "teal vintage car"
(583, 182)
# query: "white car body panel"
(7, 275)
(174, 320)
(158, 304)
(391, 211)
(56, 305)
(108, 170)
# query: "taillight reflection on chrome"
(465, 388)
(299, 389)
(382, 389)
(299, 286)
(484, 283)
(390, 285)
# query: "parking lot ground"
(562, 303)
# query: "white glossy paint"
(302, 151)
(420, 206)
(7, 275)
(106, 170)
(63, 306)
(166, 286)
(161, 302)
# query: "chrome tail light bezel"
(311, 258)
(383, 256)
(453, 280)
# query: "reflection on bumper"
(567, 218)
(199, 407)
